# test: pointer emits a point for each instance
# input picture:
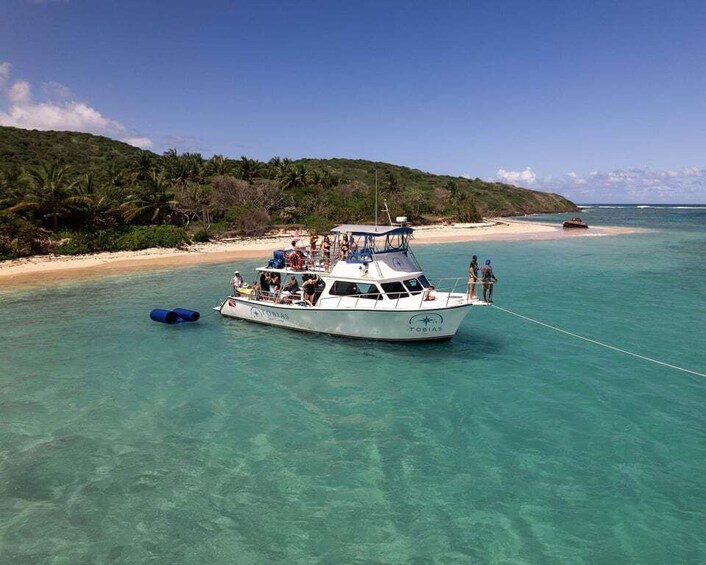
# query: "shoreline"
(41, 269)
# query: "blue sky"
(601, 101)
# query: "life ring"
(295, 261)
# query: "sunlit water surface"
(127, 441)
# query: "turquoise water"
(127, 441)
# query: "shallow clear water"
(127, 441)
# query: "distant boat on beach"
(575, 223)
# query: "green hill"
(490, 198)
(82, 152)
(72, 192)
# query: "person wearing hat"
(487, 280)
(237, 281)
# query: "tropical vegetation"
(67, 192)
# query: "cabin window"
(424, 281)
(369, 291)
(414, 286)
(395, 290)
(359, 290)
(343, 288)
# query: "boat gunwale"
(298, 306)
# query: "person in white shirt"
(237, 281)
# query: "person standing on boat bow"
(487, 280)
(472, 277)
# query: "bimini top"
(363, 229)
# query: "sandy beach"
(42, 269)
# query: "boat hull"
(428, 324)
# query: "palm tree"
(292, 176)
(50, 192)
(142, 166)
(301, 175)
(184, 168)
(96, 205)
(217, 165)
(153, 203)
(10, 183)
(249, 168)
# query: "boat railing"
(412, 257)
(335, 301)
(445, 290)
(315, 260)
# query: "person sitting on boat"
(265, 281)
(256, 291)
(429, 293)
(237, 281)
(274, 282)
(283, 298)
(291, 285)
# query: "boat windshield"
(359, 290)
(414, 286)
(396, 242)
(395, 290)
(377, 239)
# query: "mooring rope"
(651, 360)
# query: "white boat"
(371, 288)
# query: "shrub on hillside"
(318, 223)
(79, 243)
(144, 237)
(127, 239)
(201, 236)
(20, 237)
(249, 221)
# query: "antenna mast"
(376, 197)
(387, 211)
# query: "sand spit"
(41, 270)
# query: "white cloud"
(63, 113)
(19, 93)
(56, 91)
(141, 142)
(641, 186)
(522, 178)
(686, 185)
(4, 73)
(184, 143)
